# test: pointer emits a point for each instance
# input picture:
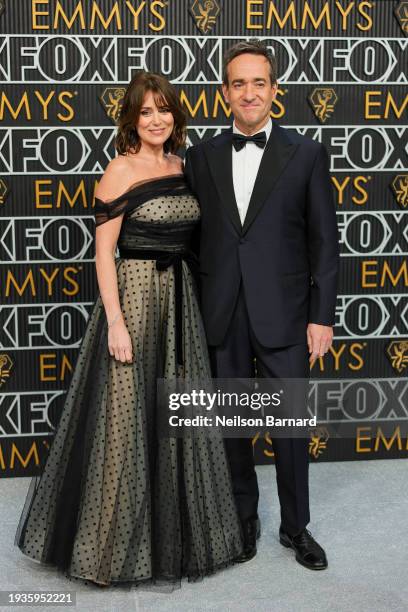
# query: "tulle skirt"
(116, 503)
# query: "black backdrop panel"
(63, 68)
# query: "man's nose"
(249, 92)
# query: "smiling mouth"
(158, 131)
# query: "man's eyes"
(258, 84)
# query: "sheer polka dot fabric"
(117, 503)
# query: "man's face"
(249, 91)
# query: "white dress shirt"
(245, 166)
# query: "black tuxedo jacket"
(286, 253)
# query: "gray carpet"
(359, 515)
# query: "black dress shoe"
(251, 532)
(308, 552)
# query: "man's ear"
(225, 92)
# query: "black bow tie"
(239, 140)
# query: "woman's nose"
(156, 118)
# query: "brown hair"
(127, 138)
(255, 47)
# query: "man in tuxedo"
(269, 264)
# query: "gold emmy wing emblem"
(2, 6)
(397, 352)
(318, 441)
(323, 101)
(3, 191)
(205, 13)
(401, 13)
(5, 366)
(268, 443)
(399, 188)
(112, 99)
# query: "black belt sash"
(165, 259)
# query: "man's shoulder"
(214, 141)
(299, 139)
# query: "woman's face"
(155, 122)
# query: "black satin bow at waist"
(165, 259)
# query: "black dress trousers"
(234, 358)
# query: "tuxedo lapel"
(219, 156)
(278, 151)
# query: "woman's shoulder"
(122, 173)
(176, 162)
(117, 174)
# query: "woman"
(116, 502)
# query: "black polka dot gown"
(116, 502)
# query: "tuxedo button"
(242, 241)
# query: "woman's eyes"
(147, 113)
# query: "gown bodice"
(159, 214)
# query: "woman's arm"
(111, 186)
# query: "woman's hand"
(119, 342)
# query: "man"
(269, 264)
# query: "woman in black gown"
(116, 502)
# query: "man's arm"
(189, 173)
(323, 248)
(188, 170)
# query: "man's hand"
(319, 340)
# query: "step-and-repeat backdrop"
(64, 65)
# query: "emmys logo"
(399, 188)
(5, 366)
(397, 353)
(401, 13)
(3, 191)
(268, 442)
(2, 6)
(323, 101)
(112, 99)
(205, 12)
(318, 441)
(317, 445)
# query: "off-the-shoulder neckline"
(139, 183)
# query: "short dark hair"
(127, 139)
(255, 47)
